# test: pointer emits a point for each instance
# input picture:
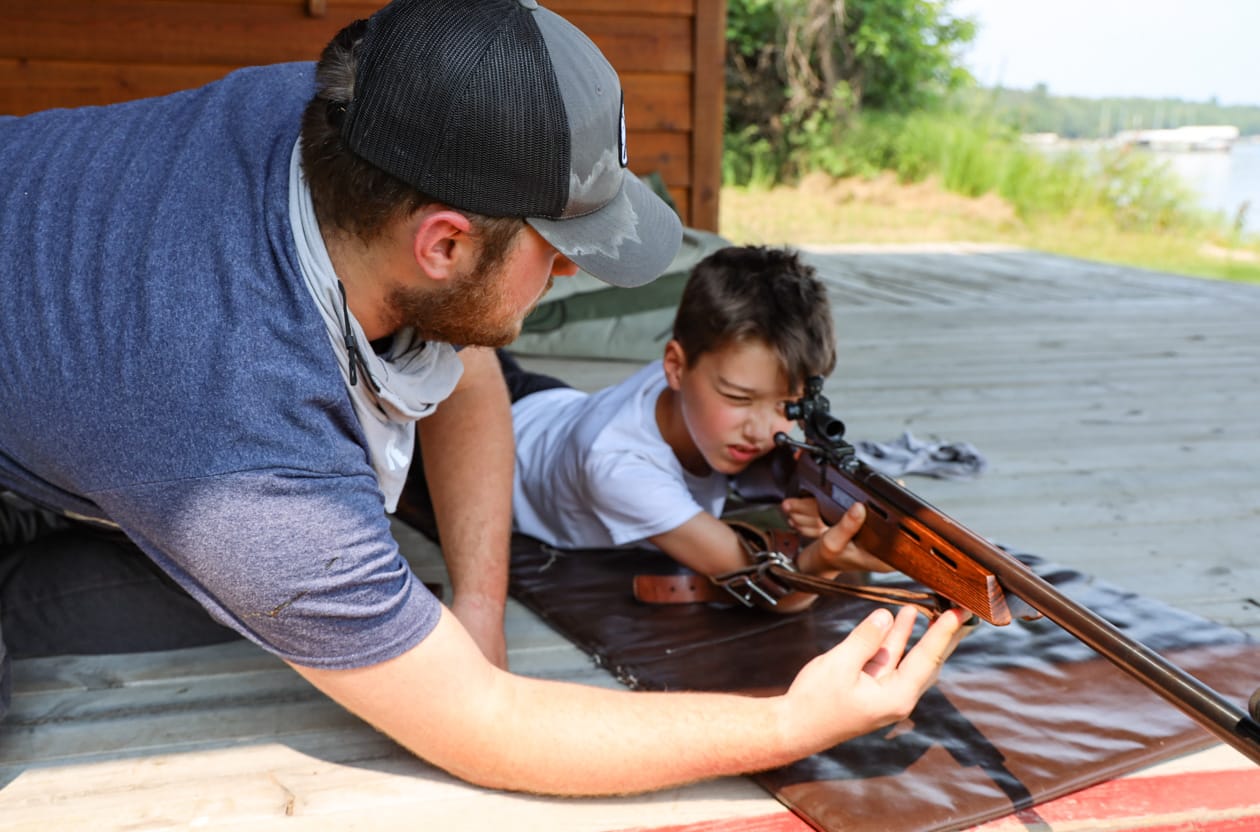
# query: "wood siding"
(69, 53)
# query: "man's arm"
(450, 706)
(468, 452)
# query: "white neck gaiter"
(390, 391)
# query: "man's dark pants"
(71, 588)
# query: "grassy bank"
(949, 176)
(821, 209)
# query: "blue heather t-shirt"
(163, 366)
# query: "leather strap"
(684, 588)
(693, 588)
(755, 539)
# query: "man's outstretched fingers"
(925, 659)
(894, 646)
(869, 638)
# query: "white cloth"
(412, 376)
(908, 454)
(593, 471)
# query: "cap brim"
(628, 242)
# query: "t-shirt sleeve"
(304, 565)
(635, 498)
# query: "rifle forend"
(901, 529)
(930, 547)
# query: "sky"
(1190, 49)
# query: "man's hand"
(868, 680)
(802, 515)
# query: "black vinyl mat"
(1021, 714)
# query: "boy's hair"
(351, 194)
(746, 293)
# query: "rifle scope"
(813, 411)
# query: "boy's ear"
(443, 245)
(675, 361)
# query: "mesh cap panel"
(460, 101)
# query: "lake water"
(1224, 181)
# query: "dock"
(1117, 411)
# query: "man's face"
(485, 306)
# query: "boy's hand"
(835, 550)
(802, 515)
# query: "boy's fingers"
(835, 542)
(839, 535)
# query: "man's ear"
(443, 245)
(675, 361)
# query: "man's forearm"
(468, 452)
(503, 731)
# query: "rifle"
(932, 548)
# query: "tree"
(797, 67)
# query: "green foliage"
(905, 52)
(750, 159)
(798, 70)
(750, 25)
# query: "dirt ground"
(825, 210)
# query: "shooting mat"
(1021, 714)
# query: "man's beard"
(471, 310)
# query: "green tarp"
(582, 317)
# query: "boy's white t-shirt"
(593, 471)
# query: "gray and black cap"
(504, 108)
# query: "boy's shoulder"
(579, 422)
(622, 427)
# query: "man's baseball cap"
(503, 108)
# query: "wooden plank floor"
(1117, 410)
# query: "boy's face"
(731, 402)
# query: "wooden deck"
(1117, 410)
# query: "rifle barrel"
(1211, 710)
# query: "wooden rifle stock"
(927, 545)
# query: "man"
(221, 314)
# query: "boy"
(649, 460)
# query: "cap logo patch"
(621, 139)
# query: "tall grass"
(974, 156)
(1100, 203)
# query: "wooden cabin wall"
(669, 53)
